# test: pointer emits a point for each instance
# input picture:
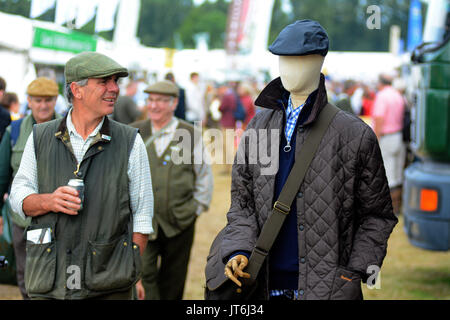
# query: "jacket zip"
(287, 147)
(82, 230)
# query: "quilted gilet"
(90, 254)
(173, 184)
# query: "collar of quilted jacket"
(274, 93)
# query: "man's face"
(42, 108)
(195, 79)
(100, 95)
(160, 107)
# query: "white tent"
(15, 64)
(17, 56)
(364, 66)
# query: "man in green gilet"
(42, 93)
(86, 245)
(182, 190)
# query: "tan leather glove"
(234, 269)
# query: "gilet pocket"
(40, 267)
(113, 265)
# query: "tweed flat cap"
(164, 87)
(92, 65)
(42, 87)
(301, 38)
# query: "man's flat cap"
(164, 87)
(42, 87)
(92, 65)
(301, 38)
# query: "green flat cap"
(42, 87)
(92, 65)
(164, 87)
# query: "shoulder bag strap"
(282, 207)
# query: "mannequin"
(318, 253)
(300, 75)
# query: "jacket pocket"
(183, 214)
(346, 285)
(113, 265)
(40, 267)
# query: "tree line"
(175, 23)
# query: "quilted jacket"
(344, 209)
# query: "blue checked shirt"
(287, 293)
(292, 117)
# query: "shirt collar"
(310, 100)
(291, 109)
(171, 126)
(71, 128)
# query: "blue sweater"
(283, 258)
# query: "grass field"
(408, 273)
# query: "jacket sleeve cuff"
(244, 253)
(364, 276)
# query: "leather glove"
(234, 269)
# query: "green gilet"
(92, 253)
(173, 184)
(16, 156)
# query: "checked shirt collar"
(291, 119)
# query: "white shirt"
(203, 187)
(139, 179)
(356, 100)
(195, 105)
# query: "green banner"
(71, 42)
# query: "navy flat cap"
(301, 38)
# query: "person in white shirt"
(195, 102)
(95, 236)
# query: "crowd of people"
(213, 103)
(176, 194)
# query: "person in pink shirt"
(387, 115)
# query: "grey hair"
(68, 91)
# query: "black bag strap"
(282, 207)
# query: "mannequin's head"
(301, 74)
(301, 47)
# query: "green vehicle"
(426, 192)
